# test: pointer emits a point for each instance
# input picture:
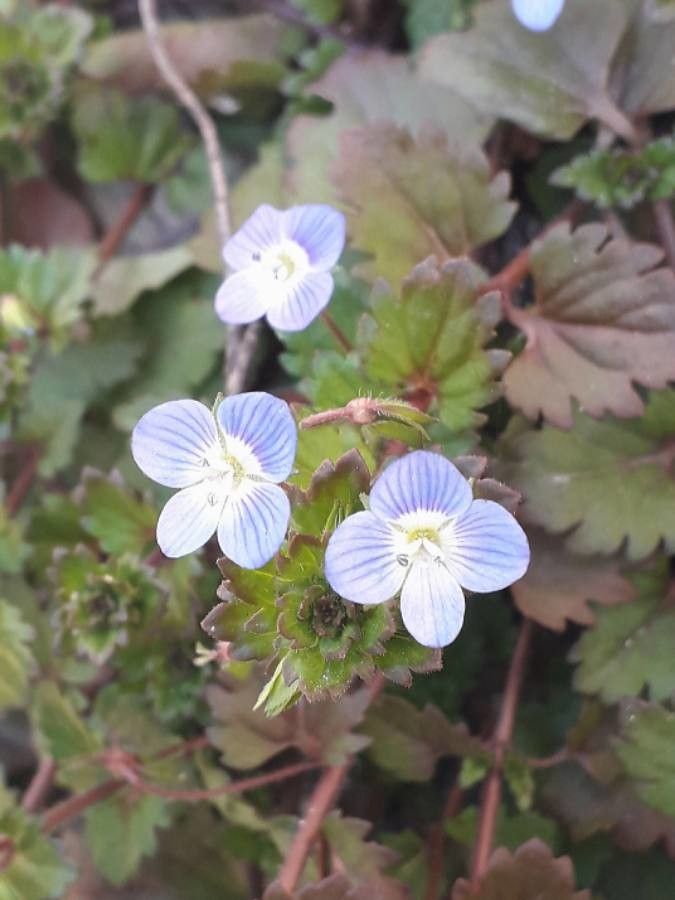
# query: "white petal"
(420, 481)
(361, 563)
(189, 519)
(320, 231)
(171, 441)
(254, 524)
(265, 424)
(486, 550)
(302, 301)
(432, 604)
(246, 295)
(537, 15)
(260, 232)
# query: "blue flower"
(228, 465)
(537, 15)
(426, 537)
(281, 263)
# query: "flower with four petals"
(426, 537)
(228, 464)
(281, 262)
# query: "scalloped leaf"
(646, 752)
(559, 586)
(16, 659)
(631, 648)
(409, 198)
(603, 319)
(333, 493)
(428, 343)
(531, 873)
(611, 481)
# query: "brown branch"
(339, 335)
(147, 10)
(501, 740)
(39, 786)
(242, 341)
(665, 226)
(74, 806)
(320, 804)
(436, 843)
(139, 199)
(23, 481)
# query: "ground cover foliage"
(188, 728)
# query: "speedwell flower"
(281, 261)
(537, 15)
(425, 536)
(228, 464)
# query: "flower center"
(284, 262)
(418, 537)
(228, 465)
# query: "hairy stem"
(436, 843)
(39, 786)
(139, 199)
(339, 335)
(503, 733)
(23, 481)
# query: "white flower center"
(228, 467)
(284, 262)
(420, 538)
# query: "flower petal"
(420, 481)
(360, 563)
(320, 231)
(260, 232)
(265, 424)
(302, 301)
(245, 296)
(432, 605)
(170, 442)
(253, 524)
(189, 519)
(537, 15)
(486, 550)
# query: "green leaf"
(632, 646)
(602, 320)
(62, 388)
(16, 659)
(346, 837)
(120, 831)
(366, 88)
(121, 138)
(646, 752)
(531, 873)
(51, 286)
(409, 199)
(407, 742)
(619, 177)
(430, 340)
(59, 32)
(32, 869)
(13, 548)
(120, 522)
(333, 493)
(174, 320)
(550, 83)
(511, 830)
(126, 277)
(610, 481)
(316, 445)
(558, 586)
(426, 18)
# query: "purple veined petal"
(360, 563)
(486, 549)
(245, 296)
(266, 426)
(260, 232)
(189, 519)
(303, 300)
(537, 15)
(432, 604)
(170, 442)
(320, 231)
(420, 481)
(253, 524)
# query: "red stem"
(110, 244)
(337, 332)
(663, 215)
(39, 786)
(503, 733)
(436, 843)
(23, 482)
